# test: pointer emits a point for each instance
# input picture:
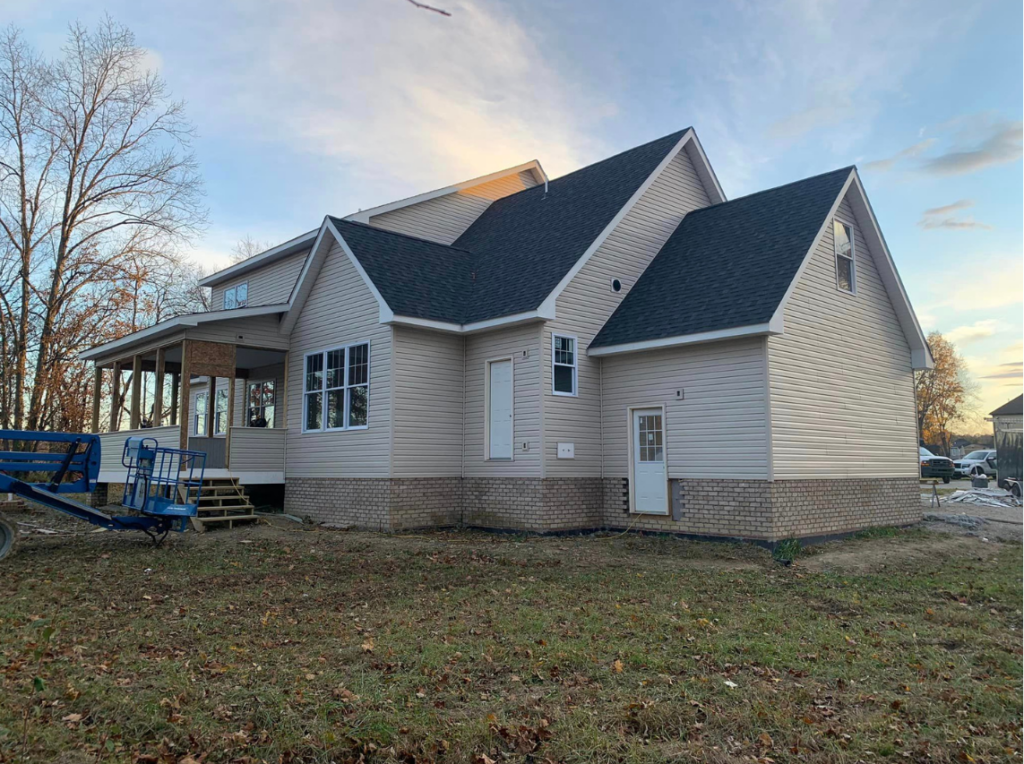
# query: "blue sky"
(309, 107)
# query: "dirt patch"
(874, 555)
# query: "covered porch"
(218, 387)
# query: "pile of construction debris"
(988, 497)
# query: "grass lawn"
(290, 646)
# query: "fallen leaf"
(617, 667)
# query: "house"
(619, 347)
(1008, 425)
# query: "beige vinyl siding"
(481, 348)
(258, 449)
(112, 447)
(445, 218)
(588, 301)
(719, 429)
(255, 331)
(842, 389)
(428, 408)
(269, 285)
(340, 310)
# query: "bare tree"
(247, 247)
(98, 190)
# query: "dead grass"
(316, 647)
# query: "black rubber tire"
(8, 537)
(946, 479)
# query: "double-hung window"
(846, 270)
(220, 410)
(199, 417)
(260, 403)
(336, 389)
(236, 296)
(563, 364)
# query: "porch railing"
(258, 449)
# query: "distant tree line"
(99, 194)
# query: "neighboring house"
(619, 347)
(1008, 425)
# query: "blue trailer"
(162, 486)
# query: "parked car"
(976, 464)
(933, 466)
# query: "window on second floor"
(846, 275)
(236, 296)
(563, 365)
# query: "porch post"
(136, 390)
(158, 388)
(184, 384)
(231, 421)
(174, 398)
(97, 393)
(115, 396)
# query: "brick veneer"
(753, 509)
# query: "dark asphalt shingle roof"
(513, 256)
(1016, 406)
(726, 266)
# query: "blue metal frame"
(157, 479)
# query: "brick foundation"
(751, 509)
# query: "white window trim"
(852, 258)
(233, 291)
(324, 389)
(575, 365)
(265, 380)
(632, 458)
(487, 408)
(204, 394)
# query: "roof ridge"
(773, 188)
(678, 134)
(399, 233)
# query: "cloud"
(884, 165)
(402, 101)
(954, 223)
(1013, 371)
(965, 335)
(1002, 146)
(972, 143)
(960, 204)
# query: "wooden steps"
(222, 501)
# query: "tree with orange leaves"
(944, 393)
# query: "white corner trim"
(363, 216)
(471, 328)
(257, 261)
(549, 302)
(179, 322)
(754, 330)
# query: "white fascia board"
(312, 266)
(471, 328)
(716, 186)
(754, 330)
(548, 306)
(363, 216)
(257, 261)
(178, 322)
(921, 356)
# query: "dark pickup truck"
(933, 466)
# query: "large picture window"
(336, 389)
(846, 271)
(563, 364)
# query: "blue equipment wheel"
(8, 535)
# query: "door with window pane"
(650, 481)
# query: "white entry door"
(650, 482)
(499, 413)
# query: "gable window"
(199, 418)
(260, 403)
(236, 296)
(846, 275)
(336, 389)
(563, 364)
(220, 411)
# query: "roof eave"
(698, 338)
(290, 247)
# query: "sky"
(309, 107)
